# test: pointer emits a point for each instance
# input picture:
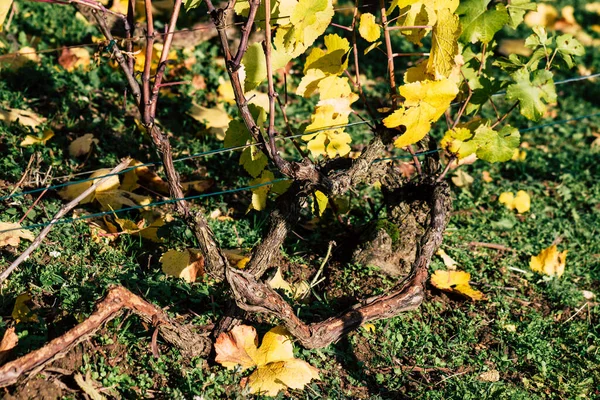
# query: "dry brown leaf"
(24, 117)
(13, 237)
(70, 59)
(187, 264)
(82, 145)
(489, 376)
(9, 342)
(277, 369)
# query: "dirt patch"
(37, 389)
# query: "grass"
(541, 335)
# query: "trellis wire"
(228, 149)
(191, 156)
(200, 196)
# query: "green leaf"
(533, 95)
(517, 10)
(253, 160)
(191, 4)
(237, 134)
(494, 146)
(255, 65)
(457, 141)
(567, 46)
(479, 23)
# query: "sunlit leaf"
(455, 282)
(549, 262)
(82, 145)
(277, 369)
(21, 311)
(187, 264)
(368, 28)
(13, 237)
(521, 202)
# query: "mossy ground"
(541, 335)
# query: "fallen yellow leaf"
(277, 369)
(549, 262)
(521, 202)
(30, 140)
(21, 311)
(448, 261)
(455, 282)
(14, 236)
(24, 117)
(82, 145)
(187, 264)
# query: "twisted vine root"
(118, 299)
(255, 296)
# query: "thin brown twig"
(64, 209)
(446, 169)
(146, 102)
(415, 159)
(390, 52)
(499, 121)
(33, 205)
(18, 185)
(494, 246)
(162, 63)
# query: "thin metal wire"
(200, 196)
(196, 155)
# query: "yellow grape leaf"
(455, 282)
(187, 264)
(70, 192)
(331, 111)
(545, 15)
(71, 59)
(238, 347)
(236, 257)
(277, 369)
(255, 66)
(5, 6)
(82, 145)
(21, 311)
(333, 61)
(225, 91)
(9, 342)
(253, 160)
(521, 202)
(277, 282)
(424, 103)
(24, 117)
(199, 186)
(215, 119)
(13, 237)
(457, 141)
(369, 327)
(549, 262)
(147, 227)
(89, 385)
(448, 261)
(276, 376)
(309, 20)
(30, 140)
(368, 28)
(321, 202)
(462, 179)
(24, 56)
(259, 194)
(444, 44)
(116, 199)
